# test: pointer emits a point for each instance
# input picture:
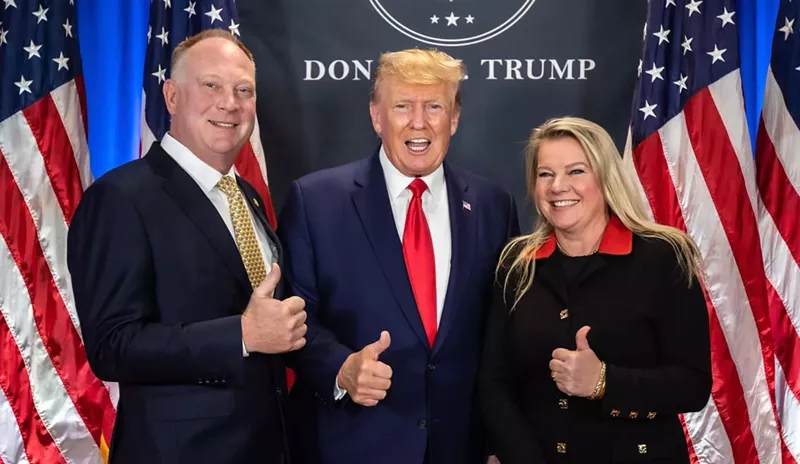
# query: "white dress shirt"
(207, 178)
(437, 213)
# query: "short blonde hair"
(190, 42)
(420, 67)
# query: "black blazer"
(647, 325)
(160, 288)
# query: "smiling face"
(415, 123)
(212, 101)
(568, 193)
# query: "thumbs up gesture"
(576, 373)
(270, 325)
(363, 376)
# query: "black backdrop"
(527, 60)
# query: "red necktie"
(420, 264)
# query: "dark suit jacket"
(344, 257)
(160, 288)
(647, 325)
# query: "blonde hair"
(619, 194)
(420, 67)
(190, 42)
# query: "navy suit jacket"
(160, 288)
(344, 258)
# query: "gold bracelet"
(600, 388)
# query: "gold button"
(643, 448)
(614, 412)
(651, 415)
(561, 448)
(562, 403)
(633, 415)
(564, 314)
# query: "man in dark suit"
(394, 256)
(174, 269)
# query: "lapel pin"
(466, 206)
(255, 202)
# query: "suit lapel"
(196, 205)
(371, 201)
(252, 198)
(463, 230)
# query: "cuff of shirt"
(338, 392)
(244, 350)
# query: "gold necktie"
(245, 233)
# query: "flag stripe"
(782, 129)
(789, 413)
(247, 166)
(69, 108)
(12, 448)
(79, 84)
(58, 332)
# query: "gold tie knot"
(227, 186)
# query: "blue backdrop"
(113, 36)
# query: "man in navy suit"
(174, 269)
(394, 256)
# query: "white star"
(452, 20)
(670, 2)
(62, 61)
(190, 9)
(787, 28)
(149, 33)
(469, 19)
(160, 74)
(681, 83)
(727, 17)
(71, 2)
(434, 19)
(234, 28)
(67, 29)
(9, 3)
(647, 109)
(33, 50)
(694, 7)
(41, 14)
(214, 14)
(687, 44)
(167, 3)
(717, 54)
(24, 86)
(639, 69)
(662, 35)
(3, 34)
(655, 72)
(797, 68)
(164, 36)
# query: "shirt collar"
(205, 176)
(617, 240)
(397, 182)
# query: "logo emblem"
(454, 23)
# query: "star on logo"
(470, 19)
(41, 15)
(33, 50)
(234, 28)
(67, 28)
(647, 109)
(687, 44)
(655, 72)
(214, 14)
(190, 9)
(62, 62)
(164, 36)
(694, 7)
(787, 28)
(452, 20)
(681, 83)
(716, 54)
(160, 74)
(662, 35)
(24, 86)
(9, 3)
(434, 19)
(727, 17)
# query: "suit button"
(422, 423)
(562, 403)
(431, 367)
(643, 448)
(561, 448)
(563, 314)
(279, 391)
(633, 415)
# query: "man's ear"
(374, 114)
(170, 91)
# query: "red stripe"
(59, 159)
(247, 166)
(692, 454)
(727, 392)
(787, 348)
(82, 98)
(15, 383)
(63, 344)
(723, 176)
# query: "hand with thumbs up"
(365, 378)
(270, 325)
(576, 373)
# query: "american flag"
(52, 408)
(172, 21)
(690, 151)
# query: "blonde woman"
(597, 336)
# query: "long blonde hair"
(619, 194)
